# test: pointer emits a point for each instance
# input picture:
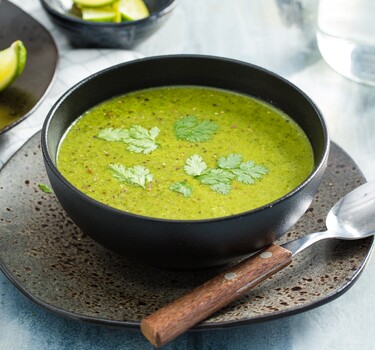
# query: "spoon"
(352, 217)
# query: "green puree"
(245, 126)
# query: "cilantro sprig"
(192, 129)
(219, 180)
(195, 165)
(137, 138)
(183, 188)
(113, 134)
(245, 172)
(228, 169)
(136, 175)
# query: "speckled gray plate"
(54, 264)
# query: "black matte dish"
(84, 281)
(185, 243)
(108, 35)
(23, 96)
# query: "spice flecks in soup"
(144, 167)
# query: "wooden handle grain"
(175, 318)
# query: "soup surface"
(185, 153)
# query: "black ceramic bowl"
(185, 243)
(124, 35)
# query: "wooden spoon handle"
(175, 318)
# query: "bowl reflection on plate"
(105, 34)
(185, 243)
(14, 104)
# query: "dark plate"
(19, 100)
(124, 35)
(49, 259)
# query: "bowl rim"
(51, 164)
(68, 18)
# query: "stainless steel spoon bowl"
(352, 217)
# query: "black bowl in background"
(185, 243)
(124, 35)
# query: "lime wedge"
(102, 14)
(12, 63)
(132, 10)
(118, 17)
(93, 3)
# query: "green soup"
(203, 153)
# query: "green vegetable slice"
(12, 63)
(93, 3)
(132, 10)
(102, 14)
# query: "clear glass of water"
(346, 37)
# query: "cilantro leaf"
(231, 161)
(142, 146)
(137, 138)
(113, 134)
(182, 187)
(137, 175)
(141, 140)
(45, 188)
(248, 172)
(154, 132)
(192, 129)
(243, 176)
(195, 165)
(215, 176)
(221, 188)
(256, 171)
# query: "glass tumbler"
(346, 37)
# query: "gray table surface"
(278, 35)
